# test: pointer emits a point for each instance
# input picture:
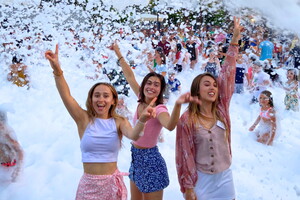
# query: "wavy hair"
(194, 108)
(112, 110)
(160, 99)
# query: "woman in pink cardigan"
(203, 150)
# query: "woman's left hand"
(237, 30)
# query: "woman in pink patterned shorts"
(100, 130)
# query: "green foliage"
(206, 14)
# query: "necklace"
(205, 116)
(207, 122)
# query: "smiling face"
(290, 75)
(152, 88)
(208, 89)
(102, 101)
(264, 100)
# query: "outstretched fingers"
(236, 21)
(151, 109)
(50, 55)
(152, 103)
(196, 100)
(56, 50)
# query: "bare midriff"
(139, 147)
(100, 168)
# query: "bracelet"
(118, 62)
(143, 123)
(120, 59)
(234, 44)
(59, 74)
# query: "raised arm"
(72, 106)
(128, 73)
(134, 133)
(227, 75)
(170, 122)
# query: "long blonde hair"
(112, 110)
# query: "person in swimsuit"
(148, 170)
(213, 65)
(266, 120)
(203, 142)
(100, 131)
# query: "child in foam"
(291, 100)
(11, 153)
(266, 120)
(260, 82)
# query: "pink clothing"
(189, 149)
(152, 129)
(265, 114)
(102, 187)
(220, 37)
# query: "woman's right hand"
(149, 112)
(190, 194)
(187, 98)
(53, 59)
(252, 128)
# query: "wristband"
(58, 74)
(118, 62)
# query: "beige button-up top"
(207, 150)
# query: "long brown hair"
(270, 96)
(194, 108)
(112, 110)
(160, 99)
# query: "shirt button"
(212, 156)
(211, 147)
(210, 140)
(212, 170)
(212, 163)
(209, 131)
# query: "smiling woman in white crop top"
(100, 130)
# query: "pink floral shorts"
(102, 187)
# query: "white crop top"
(100, 142)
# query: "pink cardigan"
(185, 147)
